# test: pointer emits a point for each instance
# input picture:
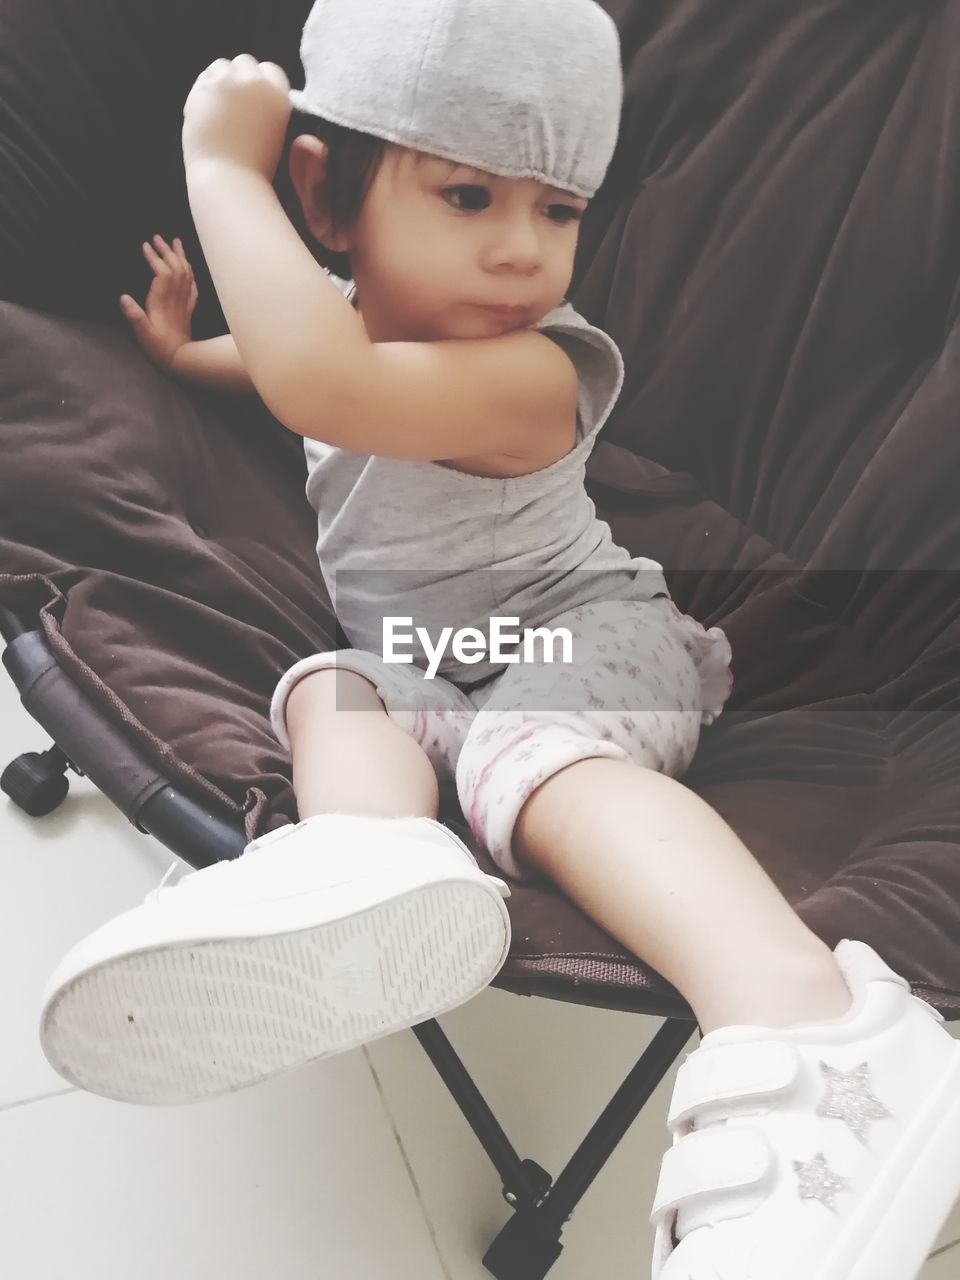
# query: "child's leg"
(661, 871)
(582, 784)
(349, 756)
(790, 1148)
(280, 957)
(366, 737)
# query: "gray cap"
(520, 88)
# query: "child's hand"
(237, 111)
(164, 327)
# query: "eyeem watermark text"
(469, 644)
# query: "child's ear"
(308, 174)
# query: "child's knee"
(505, 758)
(328, 690)
(340, 679)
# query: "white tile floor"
(359, 1168)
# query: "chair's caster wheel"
(36, 782)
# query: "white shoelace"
(154, 895)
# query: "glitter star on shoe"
(820, 1151)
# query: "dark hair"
(353, 159)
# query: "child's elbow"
(304, 405)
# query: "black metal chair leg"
(529, 1244)
(617, 1117)
(521, 1183)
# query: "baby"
(448, 396)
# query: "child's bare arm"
(317, 371)
(309, 354)
(163, 329)
(214, 361)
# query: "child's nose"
(517, 245)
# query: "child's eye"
(473, 194)
(565, 213)
(470, 198)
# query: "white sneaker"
(821, 1151)
(320, 937)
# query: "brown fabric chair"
(775, 252)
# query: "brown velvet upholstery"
(775, 251)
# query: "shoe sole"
(192, 1019)
(915, 1194)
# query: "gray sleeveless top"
(425, 541)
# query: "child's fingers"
(159, 266)
(132, 310)
(185, 266)
(170, 257)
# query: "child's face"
(437, 244)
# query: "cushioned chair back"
(775, 251)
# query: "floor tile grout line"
(408, 1166)
(951, 1244)
(413, 1177)
(40, 1097)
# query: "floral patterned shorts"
(644, 679)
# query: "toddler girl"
(449, 397)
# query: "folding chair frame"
(89, 744)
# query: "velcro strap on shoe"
(716, 1173)
(730, 1073)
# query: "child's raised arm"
(512, 397)
(163, 329)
